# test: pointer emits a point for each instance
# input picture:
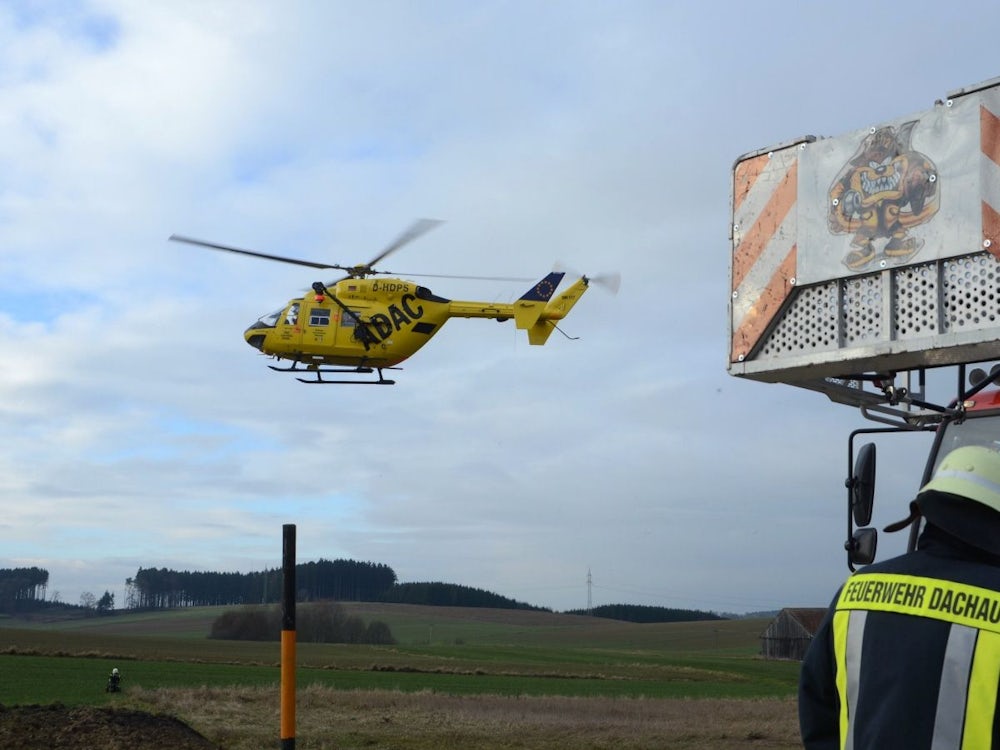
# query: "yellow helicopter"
(359, 325)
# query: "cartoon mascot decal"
(884, 190)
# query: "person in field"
(114, 682)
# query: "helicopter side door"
(325, 326)
(318, 326)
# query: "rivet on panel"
(792, 281)
(987, 243)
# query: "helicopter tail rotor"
(610, 281)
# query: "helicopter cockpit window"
(349, 319)
(320, 316)
(293, 314)
(272, 320)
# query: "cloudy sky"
(140, 430)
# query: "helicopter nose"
(255, 336)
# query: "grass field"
(455, 678)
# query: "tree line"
(450, 595)
(645, 613)
(323, 580)
(342, 580)
(22, 588)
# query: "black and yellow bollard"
(288, 638)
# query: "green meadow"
(441, 654)
(446, 650)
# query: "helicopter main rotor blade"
(518, 279)
(418, 228)
(254, 253)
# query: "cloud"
(140, 429)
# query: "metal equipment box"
(870, 253)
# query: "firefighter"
(908, 655)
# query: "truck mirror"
(861, 547)
(863, 485)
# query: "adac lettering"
(380, 325)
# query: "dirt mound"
(59, 727)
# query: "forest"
(338, 580)
(449, 595)
(23, 590)
(644, 613)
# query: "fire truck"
(867, 267)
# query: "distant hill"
(642, 613)
(145, 635)
(22, 590)
(450, 595)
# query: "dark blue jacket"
(915, 642)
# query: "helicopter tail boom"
(535, 312)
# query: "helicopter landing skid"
(320, 381)
(295, 368)
(361, 370)
(320, 371)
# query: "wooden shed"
(789, 634)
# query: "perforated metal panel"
(970, 286)
(810, 324)
(917, 301)
(862, 310)
(929, 314)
